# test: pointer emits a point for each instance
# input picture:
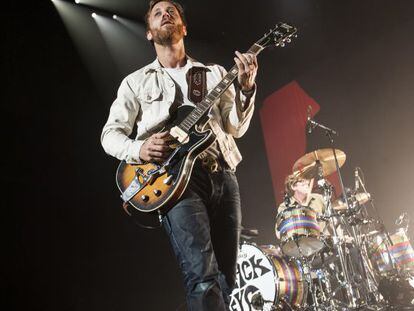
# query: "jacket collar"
(156, 66)
(294, 202)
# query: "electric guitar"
(156, 187)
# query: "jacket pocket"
(149, 94)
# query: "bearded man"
(204, 225)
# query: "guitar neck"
(208, 101)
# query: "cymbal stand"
(387, 235)
(306, 268)
(351, 297)
(384, 230)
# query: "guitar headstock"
(278, 36)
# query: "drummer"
(299, 193)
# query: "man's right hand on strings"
(156, 148)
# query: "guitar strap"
(197, 84)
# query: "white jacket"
(145, 97)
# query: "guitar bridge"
(134, 187)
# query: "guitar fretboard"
(214, 94)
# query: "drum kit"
(355, 264)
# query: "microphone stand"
(328, 193)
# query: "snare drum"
(262, 272)
(300, 233)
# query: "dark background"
(67, 243)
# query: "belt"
(214, 165)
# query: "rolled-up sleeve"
(120, 124)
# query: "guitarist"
(204, 225)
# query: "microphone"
(257, 301)
(356, 179)
(311, 124)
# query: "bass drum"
(266, 278)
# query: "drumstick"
(309, 192)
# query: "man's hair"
(178, 6)
(290, 181)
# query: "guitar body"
(166, 187)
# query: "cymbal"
(360, 198)
(307, 166)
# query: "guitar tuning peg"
(288, 40)
(282, 44)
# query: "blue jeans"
(204, 230)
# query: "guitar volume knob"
(145, 198)
(157, 192)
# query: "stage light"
(115, 16)
(94, 15)
(77, 1)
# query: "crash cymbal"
(360, 198)
(307, 166)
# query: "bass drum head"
(264, 274)
(255, 275)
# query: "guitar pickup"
(180, 135)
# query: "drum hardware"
(346, 283)
(403, 221)
(323, 286)
(258, 302)
(332, 160)
(314, 289)
(322, 261)
(248, 234)
(355, 200)
(398, 291)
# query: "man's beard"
(168, 35)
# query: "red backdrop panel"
(283, 117)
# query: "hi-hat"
(308, 166)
